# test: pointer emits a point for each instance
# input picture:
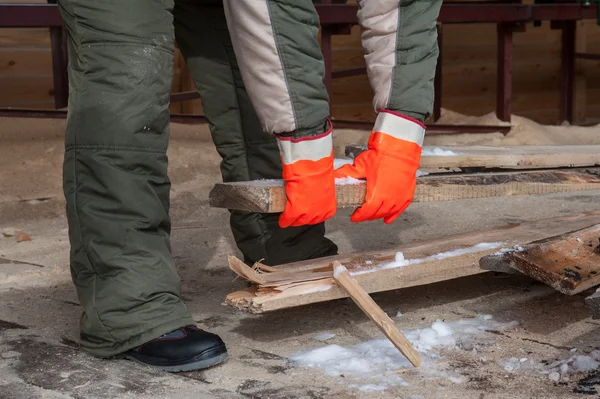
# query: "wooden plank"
(268, 196)
(569, 263)
(429, 262)
(375, 313)
(530, 157)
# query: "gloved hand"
(308, 177)
(390, 166)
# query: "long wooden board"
(306, 282)
(268, 196)
(570, 263)
(530, 157)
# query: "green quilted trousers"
(115, 167)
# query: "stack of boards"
(561, 252)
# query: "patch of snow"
(400, 261)
(338, 270)
(558, 370)
(323, 336)
(438, 152)
(585, 363)
(421, 173)
(346, 181)
(339, 162)
(375, 362)
(371, 388)
(503, 251)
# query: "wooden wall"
(469, 73)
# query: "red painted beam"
(29, 16)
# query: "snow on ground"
(376, 365)
(557, 370)
(401, 262)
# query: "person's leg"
(115, 173)
(248, 152)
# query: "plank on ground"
(531, 157)
(268, 196)
(431, 267)
(570, 263)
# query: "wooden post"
(567, 71)
(580, 81)
(58, 42)
(504, 77)
(437, 101)
(375, 313)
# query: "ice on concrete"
(400, 261)
(324, 336)
(438, 152)
(558, 370)
(375, 362)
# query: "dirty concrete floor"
(39, 310)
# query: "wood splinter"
(375, 313)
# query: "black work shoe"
(185, 349)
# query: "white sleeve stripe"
(309, 150)
(399, 127)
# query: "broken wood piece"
(513, 157)
(268, 196)
(498, 263)
(593, 303)
(425, 262)
(375, 313)
(570, 263)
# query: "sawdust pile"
(524, 132)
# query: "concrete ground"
(39, 310)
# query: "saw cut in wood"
(268, 196)
(419, 263)
(530, 157)
(570, 263)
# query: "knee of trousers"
(119, 97)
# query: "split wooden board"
(570, 263)
(432, 261)
(530, 157)
(268, 196)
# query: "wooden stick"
(375, 313)
(269, 196)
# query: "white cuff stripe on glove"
(400, 126)
(308, 148)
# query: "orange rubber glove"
(390, 166)
(308, 177)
